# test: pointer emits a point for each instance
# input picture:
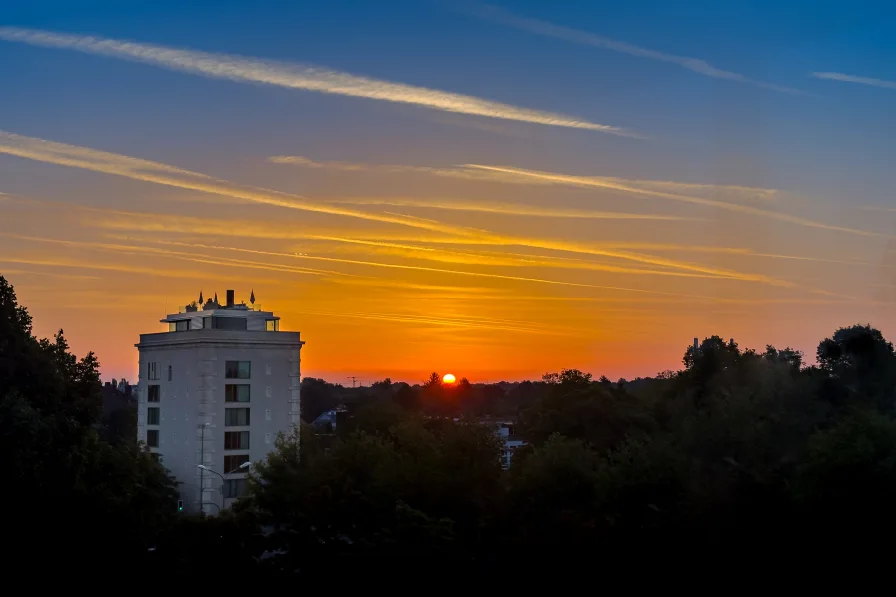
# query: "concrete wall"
(192, 403)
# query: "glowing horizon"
(553, 193)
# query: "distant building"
(326, 422)
(214, 391)
(511, 442)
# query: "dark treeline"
(740, 451)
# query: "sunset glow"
(570, 201)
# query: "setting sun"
(448, 378)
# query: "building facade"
(511, 442)
(213, 392)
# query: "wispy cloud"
(853, 79)
(121, 165)
(296, 76)
(468, 323)
(505, 208)
(420, 268)
(615, 185)
(735, 192)
(179, 255)
(26, 272)
(174, 224)
(502, 16)
(70, 264)
(450, 172)
(57, 153)
(507, 259)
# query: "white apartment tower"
(213, 392)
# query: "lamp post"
(202, 468)
(224, 476)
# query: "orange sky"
(400, 291)
(469, 226)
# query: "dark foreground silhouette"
(740, 452)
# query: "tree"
(68, 483)
(846, 484)
(788, 355)
(318, 396)
(598, 414)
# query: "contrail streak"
(853, 79)
(501, 16)
(506, 208)
(615, 185)
(296, 76)
(73, 156)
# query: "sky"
(495, 191)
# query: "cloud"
(470, 323)
(616, 185)
(177, 224)
(854, 79)
(180, 255)
(467, 173)
(79, 157)
(507, 260)
(505, 208)
(421, 268)
(296, 76)
(502, 16)
(120, 165)
(25, 272)
(72, 264)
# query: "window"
(267, 391)
(152, 416)
(236, 393)
(229, 323)
(170, 372)
(182, 325)
(237, 369)
(154, 393)
(267, 369)
(233, 463)
(206, 323)
(152, 438)
(152, 371)
(236, 440)
(272, 325)
(234, 488)
(236, 417)
(267, 414)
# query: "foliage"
(66, 485)
(738, 450)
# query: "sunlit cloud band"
(297, 76)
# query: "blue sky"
(825, 146)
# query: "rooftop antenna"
(353, 378)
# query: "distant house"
(116, 398)
(511, 442)
(326, 422)
(119, 420)
(505, 431)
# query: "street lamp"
(244, 465)
(239, 468)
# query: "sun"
(448, 378)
